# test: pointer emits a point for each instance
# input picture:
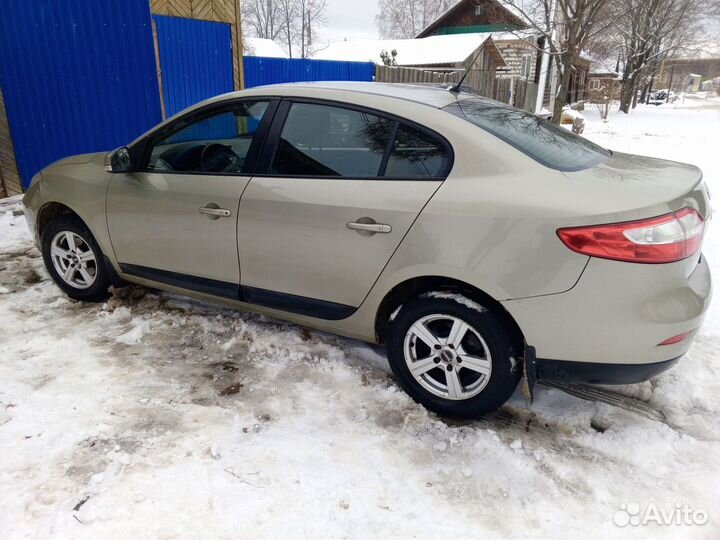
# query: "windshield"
(546, 143)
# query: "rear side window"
(546, 143)
(416, 155)
(320, 140)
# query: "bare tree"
(312, 15)
(293, 22)
(261, 18)
(649, 32)
(405, 19)
(566, 28)
(288, 14)
(602, 98)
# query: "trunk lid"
(639, 187)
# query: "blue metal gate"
(77, 76)
(195, 60)
(260, 71)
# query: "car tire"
(74, 260)
(473, 364)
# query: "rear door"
(341, 188)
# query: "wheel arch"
(49, 211)
(414, 287)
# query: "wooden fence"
(483, 82)
(413, 75)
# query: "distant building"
(604, 85)
(442, 54)
(447, 51)
(519, 45)
(687, 74)
(472, 16)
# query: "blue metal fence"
(195, 59)
(77, 76)
(260, 71)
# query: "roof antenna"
(457, 88)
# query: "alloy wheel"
(447, 357)
(73, 260)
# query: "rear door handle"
(213, 211)
(369, 226)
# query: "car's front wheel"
(452, 355)
(74, 260)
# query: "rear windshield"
(546, 143)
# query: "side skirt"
(290, 303)
(214, 287)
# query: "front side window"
(326, 141)
(214, 144)
(544, 142)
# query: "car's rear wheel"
(452, 356)
(74, 260)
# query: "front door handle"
(213, 211)
(369, 226)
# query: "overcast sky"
(349, 19)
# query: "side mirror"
(118, 160)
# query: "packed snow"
(459, 298)
(266, 48)
(156, 416)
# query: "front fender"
(82, 187)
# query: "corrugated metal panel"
(77, 75)
(195, 60)
(260, 71)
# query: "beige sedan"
(476, 241)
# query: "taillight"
(663, 239)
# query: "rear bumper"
(599, 373)
(617, 314)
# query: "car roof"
(437, 96)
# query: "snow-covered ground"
(154, 416)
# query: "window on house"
(595, 84)
(526, 65)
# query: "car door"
(174, 221)
(342, 187)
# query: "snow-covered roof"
(263, 47)
(433, 50)
(515, 35)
